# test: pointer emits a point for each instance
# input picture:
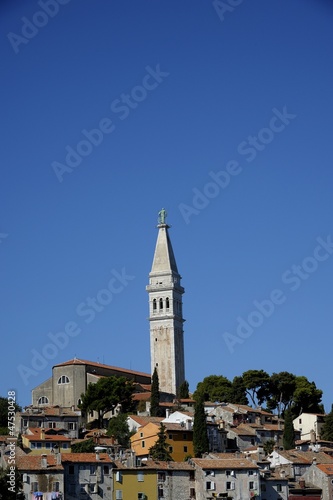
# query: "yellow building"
(45, 441)
(179, 440)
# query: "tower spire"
(165, 313)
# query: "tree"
(327, 428)
(200, 435)
(86, 446)
(14, 492)
(4, 403)
(214, 388)
(107, 394)
(155, 396)
(118, 428)
(288, 432)
(256, 383)
(237, 392)
(159, 451)
(268, 446)
(281, 387)
(183, 390)
(306, 397)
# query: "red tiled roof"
(85, 458)
(241, 463)
(328, 469)
(34, 462)
(77, 361)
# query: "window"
(64, 446)
(160, 492)
(170, 436)
(154, 305)
(56, 486)
(250, 472)
(230, 473)
(140, 476)
(184, 435)
(118, 476)
(93, 469)
(167, 303)
(36, 446)
(52, 425)
(161, 303)
(79, 401)
(185, 449)
(43, 400)
(71, 469)
(253, 485)
(192, 492)
(34, 486)
(143, 444)
(210, 485)
(25, 423)
(230, 485)
(71, 426)
(161, 477)
(63, 380)
(279, 487)
(299, 420)
(192, 475)
(48, 445)
(170, 449)
(119, 494)
(141, 434)
(141, 496)
(106, 469)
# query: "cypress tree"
(159, 451)
(200, 436)
(327, 429)
(289, 432)
(155, 396)
(183, 390)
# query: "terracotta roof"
(36, 435)
(56, 411)
(241, 463)
(306, 457)
(143, 419)
(328, 469)
(172, 426)
(155, 465)
(85, 458)
(34, 462)
(77, 361)
(141, 396)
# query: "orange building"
(179, 440)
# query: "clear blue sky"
(178, 90)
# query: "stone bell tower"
(165, 313)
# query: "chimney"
(44, 461)
(167, 413)
(58, 458)
(97, 455)
(42, 433)
(314, 461)
(302, 483)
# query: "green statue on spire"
(162, 215)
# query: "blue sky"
(219, 112)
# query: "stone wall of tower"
(165, 316)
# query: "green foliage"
(306, 397)
(183, 390)
(200, 436)
(159, 451)
(4, 414)
(327, 428)
(108, 393)
(155, 396)
(4, 485)
(269, 446)
(214, 388)
(256, 383)
(118, 428)
(86, 446)
(237, 392)
(288, 432)
(282, 387)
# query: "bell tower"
(166, 313)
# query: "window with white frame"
(63, 379)
(230, 485)
(140, 476)
(119, 494)
(210, 485)
(43, 400)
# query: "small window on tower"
(167, 303)
(154, 305)
(161, 303)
